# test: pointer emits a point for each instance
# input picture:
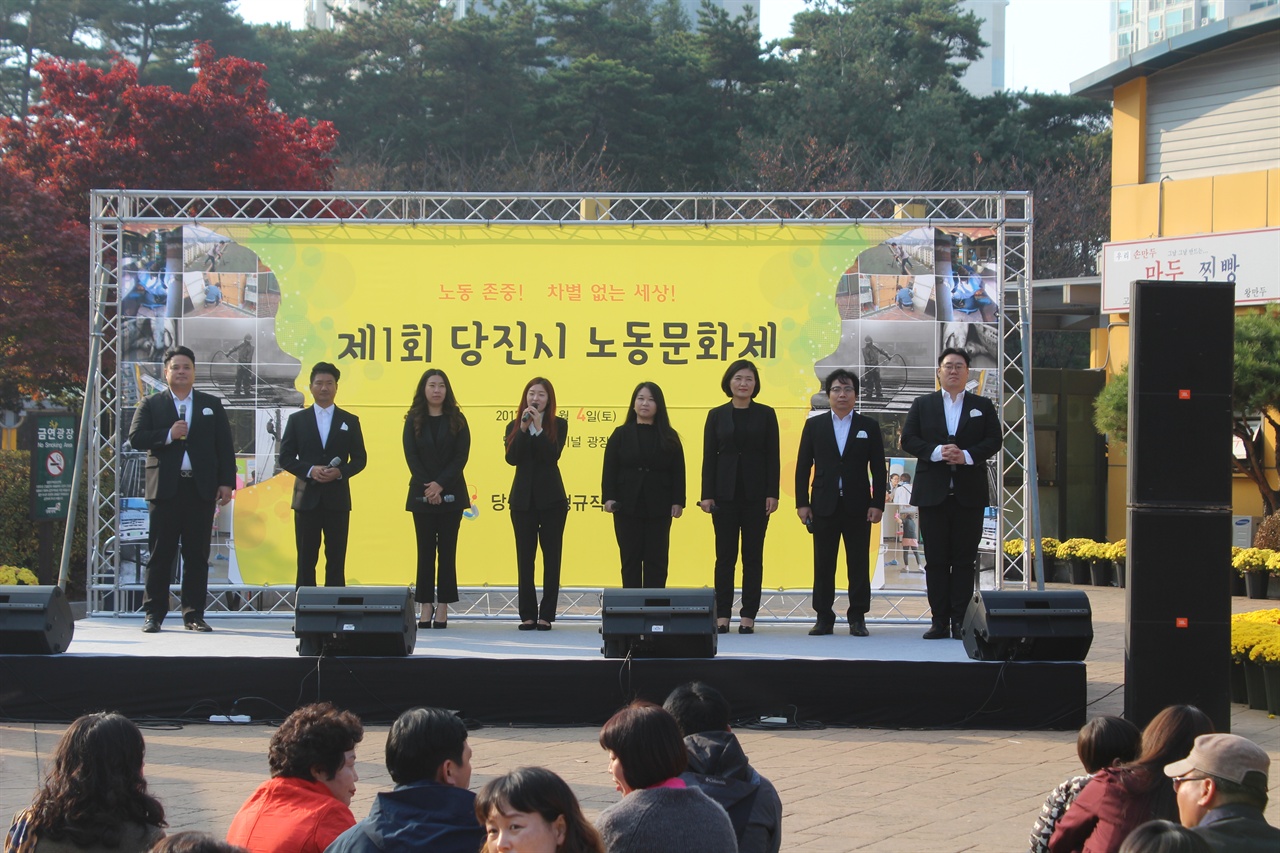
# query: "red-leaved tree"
(98, 129)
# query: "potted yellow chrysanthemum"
(15, 576)
(1252, 563)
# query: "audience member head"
(1164, 836)
(429, 743)
(95, 785)
(532, 810)
(318, 742)
(1107, 740)
(698, 707)
(1221, 769)
(645, 746)
(194, 842)
(1171, 734)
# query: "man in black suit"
(953, 433)
(191, 468)
(845, 453)
(323, 448)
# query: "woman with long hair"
(658, 811)
(642, 486)
(1119, 799)
(538, 503)
(740, 469)
(95, 797)
(437, 443)
(532, 810)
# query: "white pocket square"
(862, 433)
(343, 427)
(974, 413)
(207, 412)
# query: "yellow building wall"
(1142, 208)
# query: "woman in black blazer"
(437, 443)
(643, 487)
(538, 503)
(740, 471)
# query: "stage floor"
(272, 637)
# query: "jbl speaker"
(1014, 625)
(374, 621)
(659, 623)
(34, 620)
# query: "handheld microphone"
(335, 462)
(525, 418)
(951, 439)
(182, 416)
(422, 499)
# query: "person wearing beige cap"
(1222, 791)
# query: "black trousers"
(851, 526)
(644, 544)
(184, 521)
(536, 527)
(733, 520)
(951, 535)
(309, 525)
(437, 534)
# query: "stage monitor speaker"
(1015, 625)
(373, 621)
(1181, 365)
(34, 620)
(659, 623)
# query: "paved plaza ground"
(894, 791)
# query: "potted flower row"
(1255, 655)
(1018, 552)
(14, 576)
(1257, 565)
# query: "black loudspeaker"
(1031, 625)
(34, 620)
(659, 623)
(374, 621)
(1181, 363)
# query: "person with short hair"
(840, 491)
(94, 798)
(719, 767)
(323, 449)
(1104, 741)
(952, 433)
(306, 803)
(430, 807)
(195, 842)
(191, 470)
(533, 809)
(1222, 792)
(1164, 836)
(658, 810)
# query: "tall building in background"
(462, 8)
(1138, 24)
(986, 76)
(318, 14)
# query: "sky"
(1048, 44)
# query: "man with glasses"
(952, 433)
(1221, 788)
(844, 452)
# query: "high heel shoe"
(746, 629)
(722, 629)
(439, 625)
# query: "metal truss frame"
(113, 212)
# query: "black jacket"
(760, 470)
(437, 460)
(645, 484)
(861, 468)
(537, 484)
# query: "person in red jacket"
(306, 803)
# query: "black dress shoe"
(526, 626)
(745, 629)
(937, 632)
(439, 625)
(425, 623)
(544, 626)
(858, 627)
(955, 633)
(722, 629)
(821, 629)
(197, 625)
(150, 625)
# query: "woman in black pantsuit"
(538, 503)
(643, 487)
(740, 472)
(437, 443)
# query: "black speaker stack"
(34, 620)
(659, 623)
(371, 621)
(1178, 594)
(1028, 625)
